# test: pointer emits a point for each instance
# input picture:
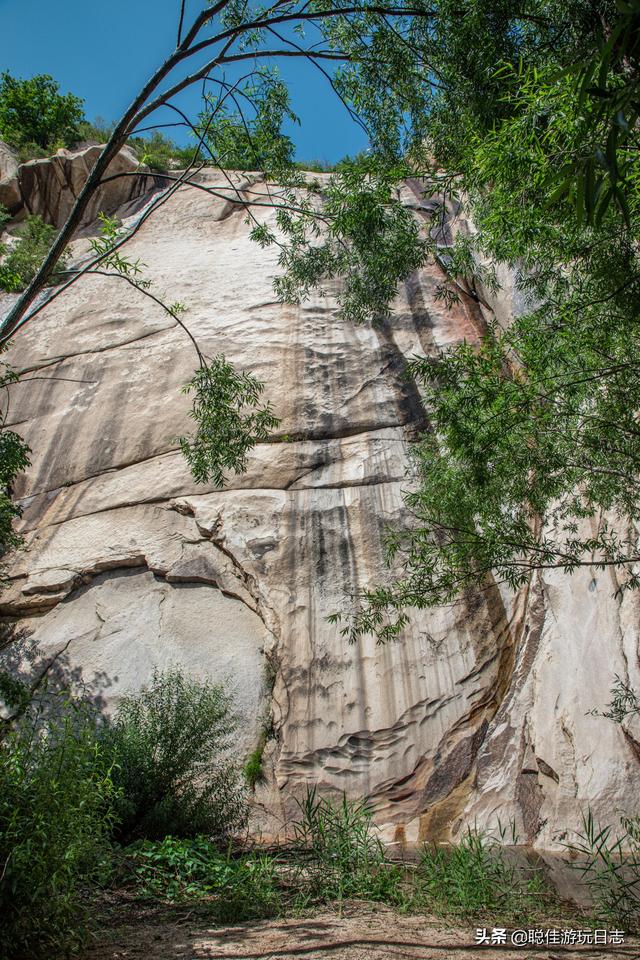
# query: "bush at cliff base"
(175, 766)
(70, 783)
(56, 796)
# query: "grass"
(608, 861)
(336, 856)
(477, 879)
(340, 856)
(253, 770)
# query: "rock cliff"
(480, 712)
(49, 187)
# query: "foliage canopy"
(33, 111)
(531, 460)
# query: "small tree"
(33, 111)
(174, 765)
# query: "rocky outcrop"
(50, 187)
(8, 162)
(479, 712)
(10, 197)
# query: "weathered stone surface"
(127, 621)
(8, 161)
(49, 187)
(479, 712)
(10, 196)
(546, 758)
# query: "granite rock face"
(10, 197)
(49, 187)
(478, 713)
(8, 161)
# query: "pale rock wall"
(479, 712)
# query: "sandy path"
(359, 934)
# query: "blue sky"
(104, 52)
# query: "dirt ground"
(360, 933)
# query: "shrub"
(35, 112)
(175, 768)
(31, 151)
(236, 888)
(100, 130)
(56, 792)
(315, 166)
(162, 154)
(23, 260)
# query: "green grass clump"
(608, 860)
(254, 766)
(253, 770)
(340, 855)
(475, 878)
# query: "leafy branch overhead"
(229, 421)
(521, 119)
(14, 458)
(244, 119)
(531, 461)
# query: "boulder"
(10, 196)
(50, 187)
(8, 161)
